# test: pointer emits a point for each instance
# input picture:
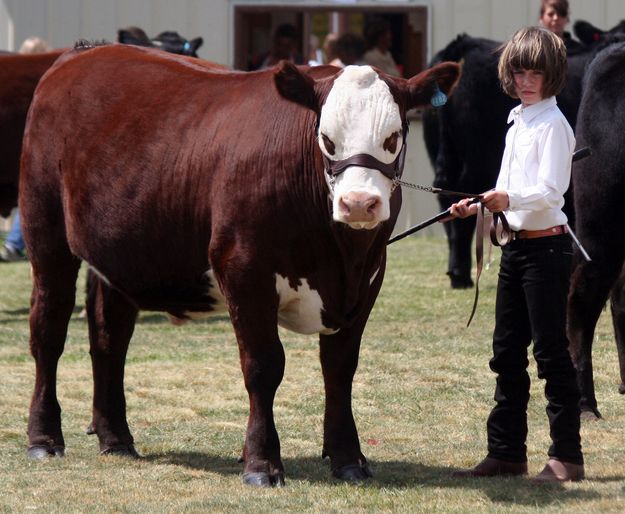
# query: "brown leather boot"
(559, 471)
(490, 467)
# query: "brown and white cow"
(19, 75)
(182, 187)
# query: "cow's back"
(169, 149)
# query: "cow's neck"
(361, 255)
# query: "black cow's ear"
(586, 32)
(295, 86)
(195, 44)
(422, 87)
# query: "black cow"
(465, 138)
(599, 184)
(170, 41)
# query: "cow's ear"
(195, 44)
(586, 32)
(295, 86)
(421, 87)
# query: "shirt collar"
(530, 112)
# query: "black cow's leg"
(590, 286)
(111, 319)
(52, 302)
(617, 306)
(460, 237)
(459, 234)
(339, 359)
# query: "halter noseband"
(392, 170)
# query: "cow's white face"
(360, 116)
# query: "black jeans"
(531, 306)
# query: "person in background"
(350, 49)
(14, 247)
(535, 266)
(315, 55)
(554, 15)
(285, 41)
(379, 41)
(330, 50)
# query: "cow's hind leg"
(52, 302)
(590, 286)
(339, 360)
(111, 320)
(617, 306)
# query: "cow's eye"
(390, 143)
(329, 145)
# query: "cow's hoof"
(460, 282)
(590, 414)
(262, 479)
(353, 472)
(90, 430)
(43, 452)
(122, 451)
(621, 389)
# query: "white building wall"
(62, 22)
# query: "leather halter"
(392, 170)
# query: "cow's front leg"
(339, 359)
(459, 238)
(111, 320)
(262, 363)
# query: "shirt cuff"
(513, 200)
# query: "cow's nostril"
(373, 205)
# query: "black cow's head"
(169, 41)
(362, 112)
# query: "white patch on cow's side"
(359, 114)
(299, 309)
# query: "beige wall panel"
(64, 20)
(593, 11)
(135, 12)
(211, 21)
(169, 15)
(7, 27)
(472, 17)
(30, 18)
(614, 12)
(507, 18)
(99, 20)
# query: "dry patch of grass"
(421, 397)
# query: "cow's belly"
(299, 308)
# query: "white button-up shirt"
(536, 165)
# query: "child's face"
(553, 21)
(528, 86)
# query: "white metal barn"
(232, 29)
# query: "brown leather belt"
(533, 234)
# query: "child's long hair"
(534, 48)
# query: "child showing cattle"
(534, 271)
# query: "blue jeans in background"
(14, 240)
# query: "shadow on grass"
(398, 475)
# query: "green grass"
(422, 393)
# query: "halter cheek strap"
(392, 170)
